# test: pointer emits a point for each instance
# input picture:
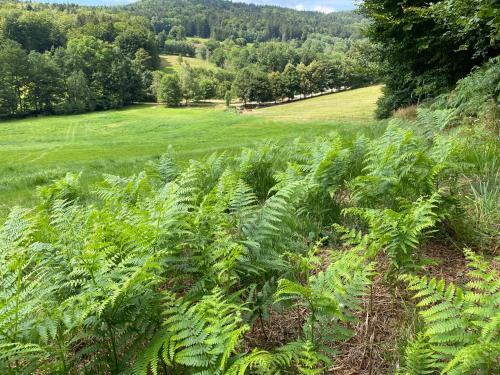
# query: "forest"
(374, 251)
(58, 59)
(219, 20)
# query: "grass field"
(37, 150)
(354, 105)
(170, 63)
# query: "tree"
(274, 56)
(291, 81)
(306, 84)
(79, 95)
(428, 47)
(143, 75)
(207, 88)
(45, 83)
(218, 57)
(169, 90)
(228, 97)
(181, 48)
(251, 84)
(361, 62)
(109, 72)
(34, 31)
(134, 38)
(277, 85)
(319, 75)
(177, 33)
(14, 76)
(188, 82)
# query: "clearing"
(171, 63)
(35, 151)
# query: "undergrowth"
(169, 270)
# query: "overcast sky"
(319, 5)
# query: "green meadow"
(170, 63)
(35, 151)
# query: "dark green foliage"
(181, 48)
(429, 46)
(116, 50)
(58, 61)
(291, 81)
(252, 85)
(34, 31)
(221, 20)
(134, 38)
(478, 94)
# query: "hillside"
(353, 105)
(171, 64)
(220, 19)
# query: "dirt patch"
(449, 263)
(375, 341)
(375, 347)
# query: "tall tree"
(45, 86)
(251, 84)
(426, 45)
(14, 77)
(291, 81)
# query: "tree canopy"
(432, 44)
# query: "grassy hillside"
(170, 63)
(34, 151)
(353, 105)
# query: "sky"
(326, 6)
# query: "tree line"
(269, 71)
(252, 84)
(219, 19)
(71, 61)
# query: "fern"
(84, 282)
(197, 336)
(400, 233)
(167, 168)
(461, 326)
(331, 297)
(419, 358)
(401, 167)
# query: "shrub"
(170, 91)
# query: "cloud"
(323, 9)
(325, 6)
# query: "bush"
(170, 91)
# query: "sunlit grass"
(352, 105)
(34, 151)
(171, 63)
